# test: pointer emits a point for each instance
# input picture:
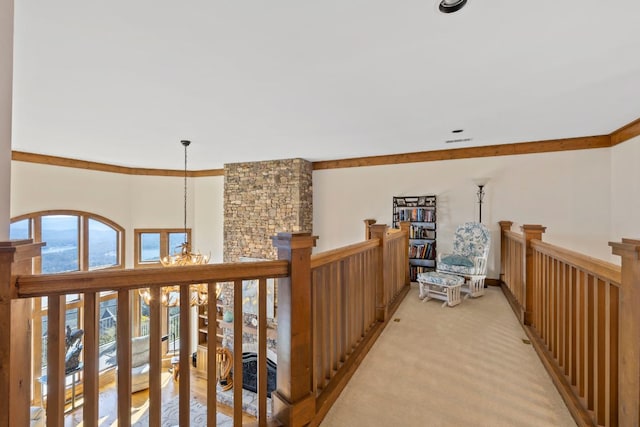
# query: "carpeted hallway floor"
(460, 366)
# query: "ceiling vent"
(449, 141)
(450, 6)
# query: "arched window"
(75, 241)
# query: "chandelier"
(198, 293)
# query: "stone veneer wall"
(262, 199)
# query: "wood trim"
(106, 280)
(21, 156)
(566, 144)
(625, 133)
(165, 250)
(579, 414)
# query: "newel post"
(294, 402)
(504, 226)
(530, 232)
(367, 228)
(405, 226)
(15, 335)
(383, 282)
(629, 332)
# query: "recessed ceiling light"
(450, 6)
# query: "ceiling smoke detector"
(450, 6)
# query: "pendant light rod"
(185, 143)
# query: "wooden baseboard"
(580, 415)
(492, 282)
(578, 412)
(515, 306)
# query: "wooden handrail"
(68, 283)
(605, 270)
(327, 257)
(512, 235)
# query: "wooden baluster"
(91, 366)
(155, 358)
(629, 332)
(15, 347)
(262, 353)
(55, 360)
(212, 349)
(294, 402)
(184, 407)
(123, 334)
(237, 352)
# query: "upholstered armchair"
(469, 257)
(139, 363)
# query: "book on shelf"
(421, 232)
(417, 215)
(422, 251)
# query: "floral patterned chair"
(469, 258)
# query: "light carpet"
(170, 412)
(461, 366)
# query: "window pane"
(144, 318)
(149, 247)
(60, 254)
(174, 328)
(103, 245)
(19, 229)
(43, 359)
(175, 242)
(107, 334)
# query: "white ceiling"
(122, 82)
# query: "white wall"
(567, 192)
(6, 85)
(129, 200)
(209, 220)
(625, 190)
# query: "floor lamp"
(481, 183)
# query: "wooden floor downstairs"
(432, 366)
(140, 401)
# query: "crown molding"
(616, 137)
(21, 156)
(625, 133)
(567, 144)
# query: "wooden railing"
(354, 290)
(580, 315)
(331, 308)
